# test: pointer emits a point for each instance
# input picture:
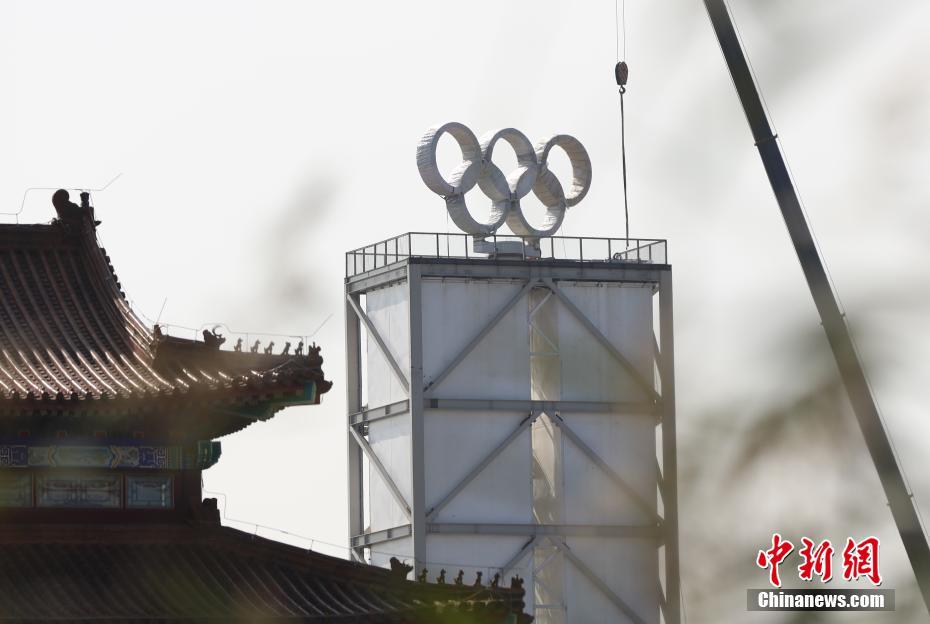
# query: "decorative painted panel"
(208, 453)
(149, 492)
(15, 490)
(104, 491)
(13, 456)
(157, 457)
(82, 456)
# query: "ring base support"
(507, 249)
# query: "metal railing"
(457, 245)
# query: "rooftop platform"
(457, 246)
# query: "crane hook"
(621, 73)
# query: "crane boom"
(901, 502)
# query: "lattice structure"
(513, 414)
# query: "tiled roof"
(70, 341)
(166, 573)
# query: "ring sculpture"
(532, 174)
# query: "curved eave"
(202, 400)
(199, 572)
(70, 344)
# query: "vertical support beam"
(354, 404)
(417, 449)
(549, 580)
(669, 451)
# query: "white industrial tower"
(511, 410)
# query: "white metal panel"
(454, 312)
(390, 440)
(627, 444)
(629, 567)
(388, 309)
(458, 441)
(455, 441)
(624, 315)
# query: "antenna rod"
(876, 438)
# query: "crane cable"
(621, 73)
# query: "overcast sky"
(259, 141)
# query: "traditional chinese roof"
(198, 572)
(70, 343)
(72, 350)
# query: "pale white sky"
(258, 141)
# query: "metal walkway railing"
(458, 245)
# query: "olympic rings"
(505, 192)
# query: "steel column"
(354, 402)
(417, 428)
(669, 451)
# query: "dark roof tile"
(67, 332)
(203, 571)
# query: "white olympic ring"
(532, 174)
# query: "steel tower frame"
(421, 397)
